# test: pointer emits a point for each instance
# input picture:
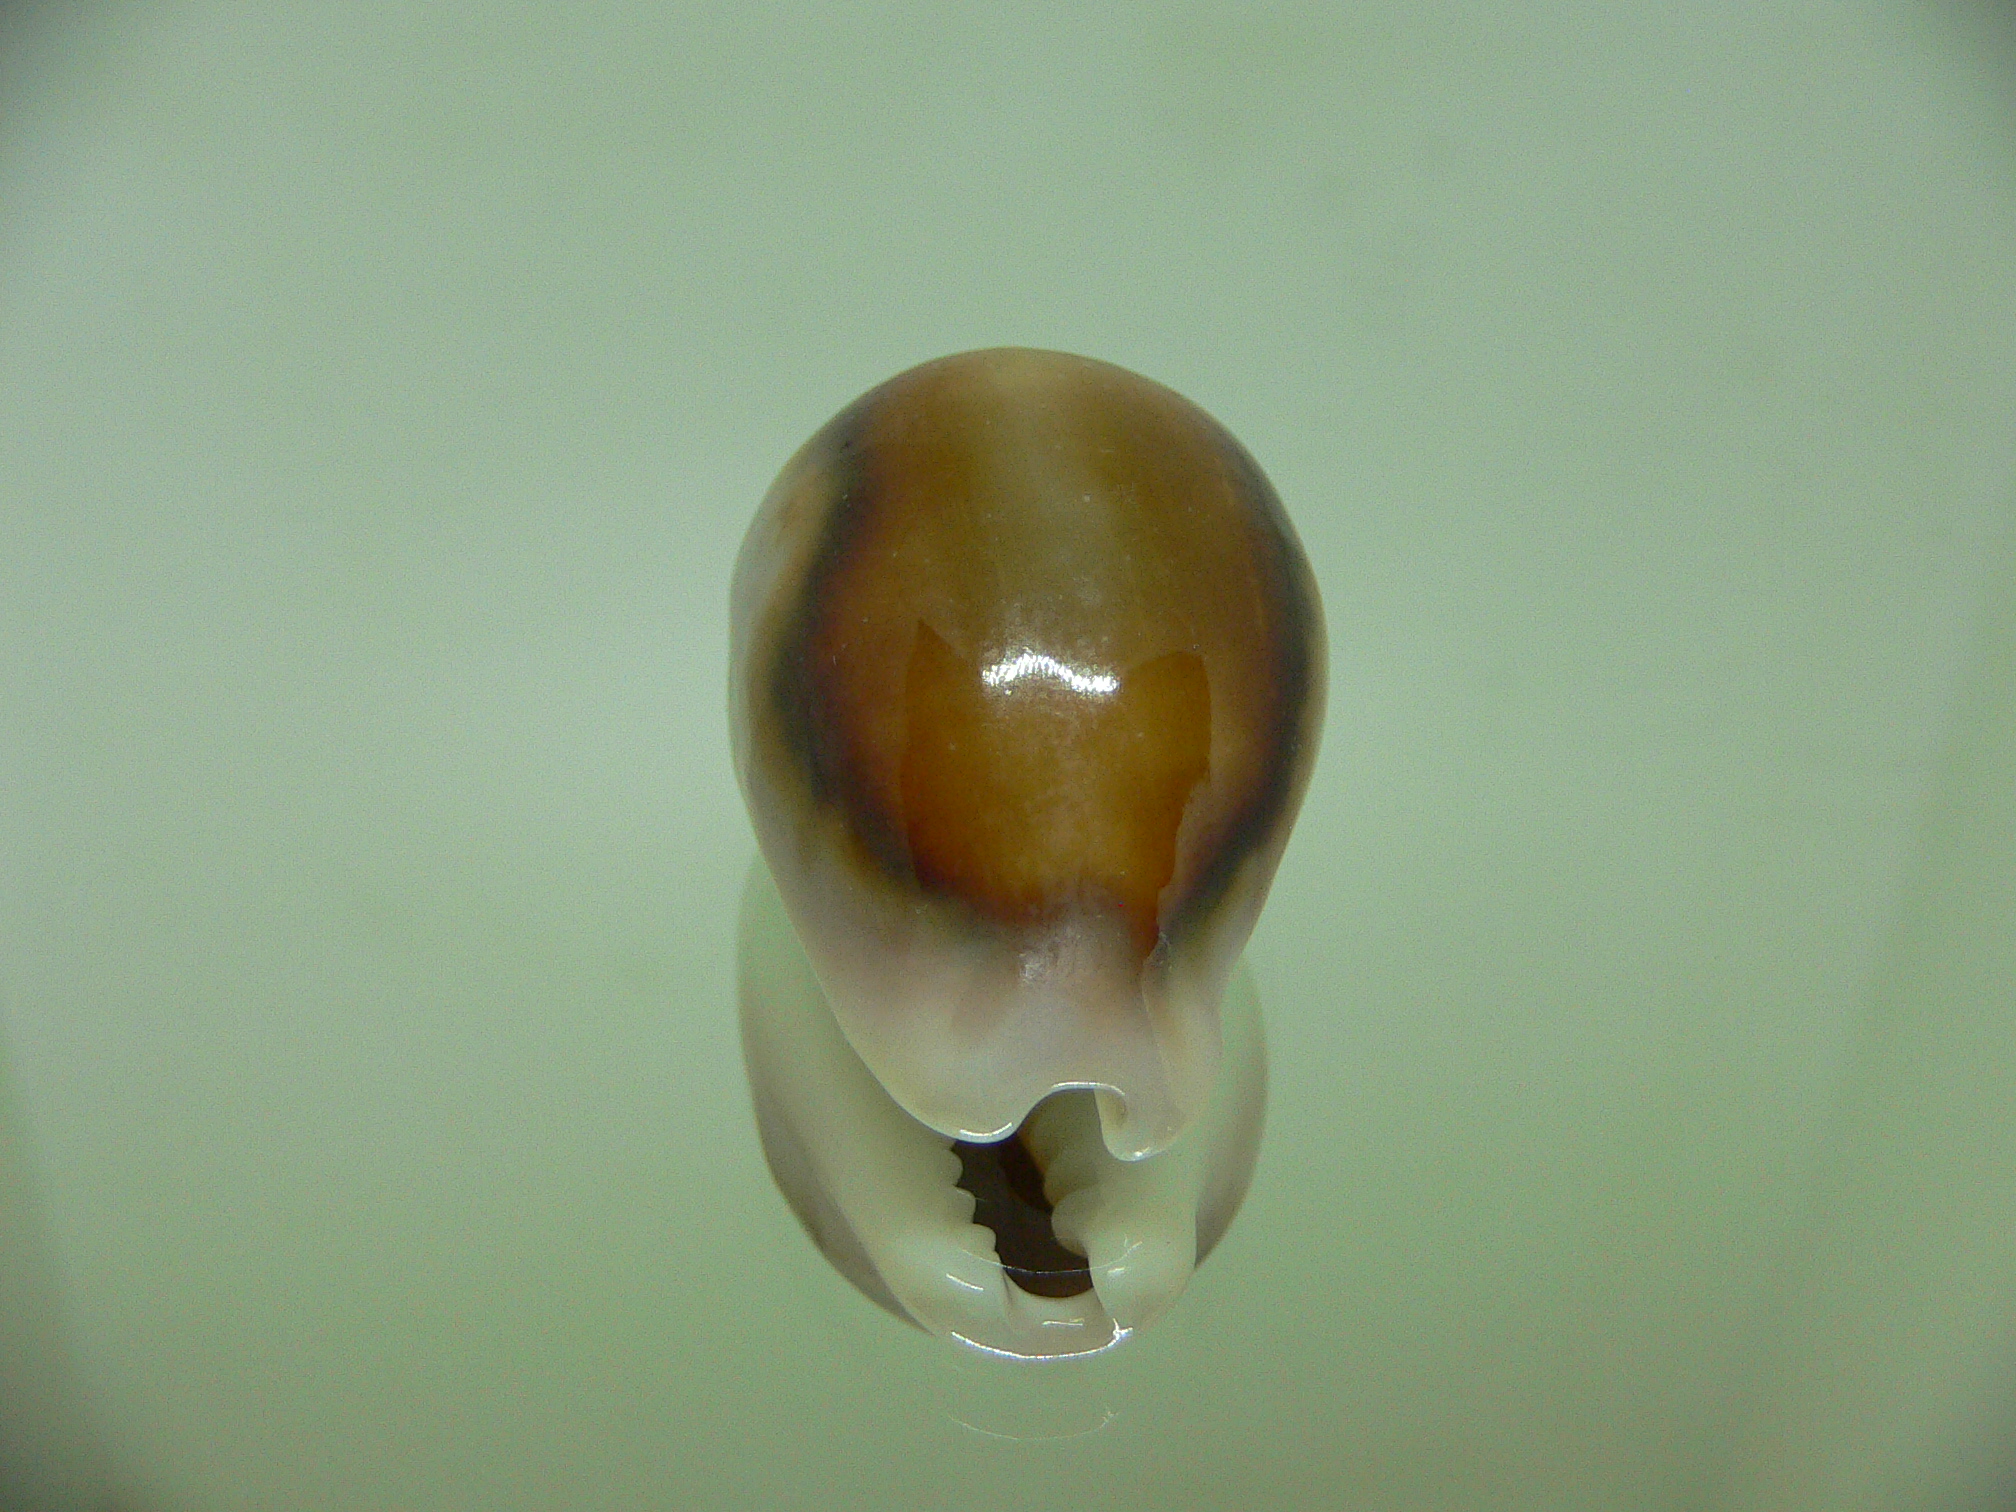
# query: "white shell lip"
(878, 1190)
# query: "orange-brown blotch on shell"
(1013, 506)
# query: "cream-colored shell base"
(878, 1190)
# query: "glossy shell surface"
(1027, 678)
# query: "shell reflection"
(1027, 676)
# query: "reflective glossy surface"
(1027, 679)
(1028, 675)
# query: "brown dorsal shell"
(1029, 673)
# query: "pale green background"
(383, 391)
